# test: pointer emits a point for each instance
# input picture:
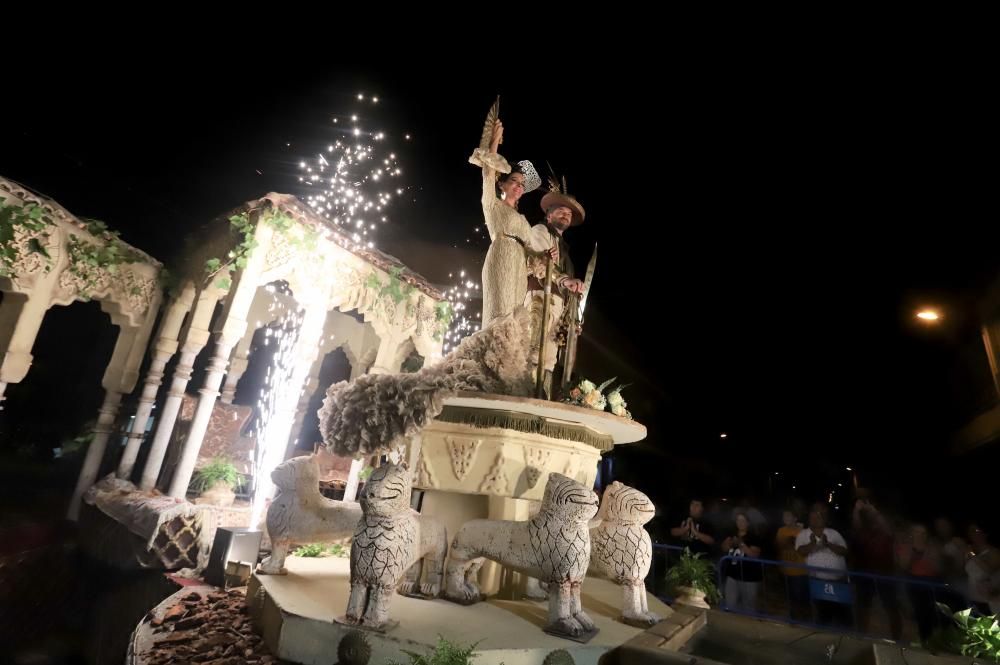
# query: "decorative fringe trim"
(522, 422)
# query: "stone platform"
(296, 614)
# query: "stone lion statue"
(392, 543)
(300, 514)
(553, 546)
(622, 550)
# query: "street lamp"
(929, 316)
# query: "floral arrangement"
(592, 396)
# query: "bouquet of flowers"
(592, 396)
(617, 404)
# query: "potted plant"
(967, 634)
(692, 580)
(216, 481)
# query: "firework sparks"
(356, 179)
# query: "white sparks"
(350, 175)
(275, 416)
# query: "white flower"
(621, 411)
(587, 386)
(615, 399)
(595, 400)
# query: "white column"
(353, 479)
(162, 351)
(237, 367)
(112, 382)
(195, 338)
(95, 452)
(208, 393)
(137, 432)
(168, 417)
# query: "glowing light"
(351, 175)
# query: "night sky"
(765, 234)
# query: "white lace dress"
(505, 272)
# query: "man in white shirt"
(824, 547)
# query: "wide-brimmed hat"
(558, 196)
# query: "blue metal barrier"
(878, 606)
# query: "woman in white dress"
(505, 272)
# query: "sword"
(587, 281)
(540, 379)
(580, 303)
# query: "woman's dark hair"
(504, 177)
